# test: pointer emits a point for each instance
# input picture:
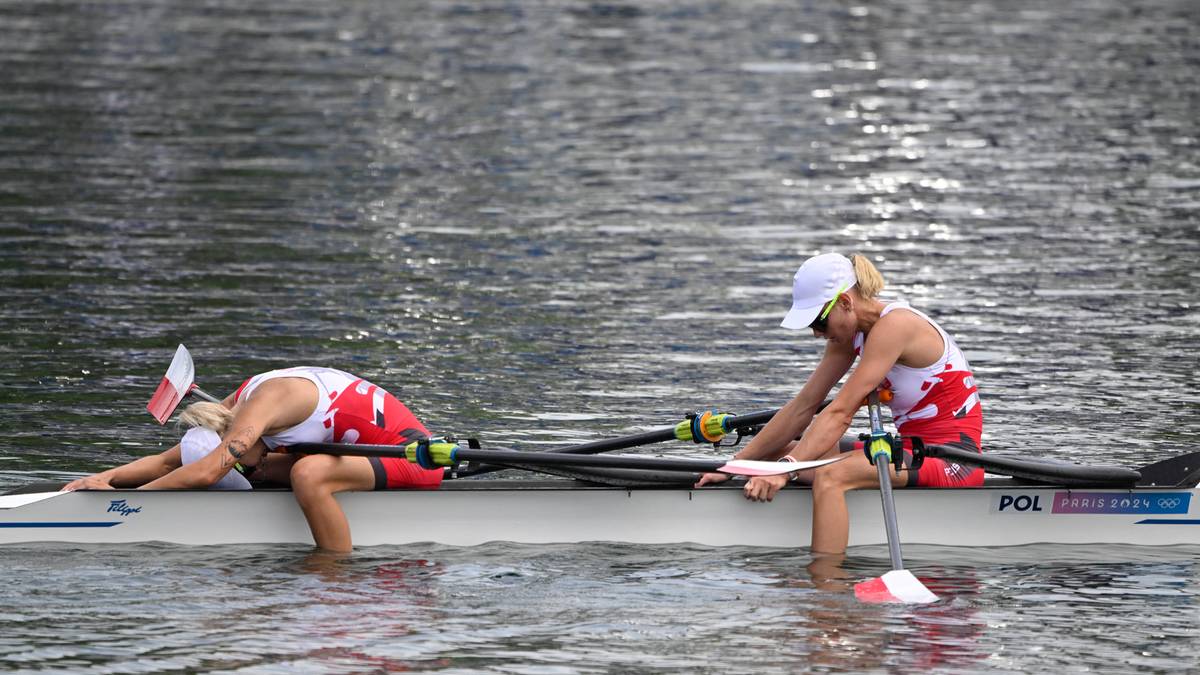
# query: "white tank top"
(939, 397)
(318, 427)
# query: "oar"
(432, 454)
(177, 383)
(708, 427)
(704, 427)
(898, 585)
(1052, 473)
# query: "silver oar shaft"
(197, 391)
(889, 512)
(883, 466)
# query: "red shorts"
(934, 471)
(392, 473)
(401, 428)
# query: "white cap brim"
(799, 318)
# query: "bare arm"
(213, 466)
(133, 474)
(793, 418)
(884, 346)
(276, 404)
(882, 349)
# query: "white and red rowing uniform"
(352, 410)
(939, 404)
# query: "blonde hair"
(870, 281)
(212, 416)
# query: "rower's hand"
(711, 479)
(93, 482)
(764, 488)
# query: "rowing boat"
(1025, 501)
(467, 512)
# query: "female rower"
(902, 351)
(279, 408)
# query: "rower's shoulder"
(283, 400)
(895, 323)
(904, 318)
(281, 385)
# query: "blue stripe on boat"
(1167, 521)
(66, 524)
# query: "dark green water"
(547, 222)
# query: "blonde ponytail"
(870, 281)
(212, 416)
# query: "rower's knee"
(310, 474)
(831, 479)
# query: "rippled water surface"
(546, 222)
(590, 609)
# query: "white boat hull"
(463, 514)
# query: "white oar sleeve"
(197, 443)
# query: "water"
(596, 608)
(547, 222)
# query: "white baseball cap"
(199, 442)
(818, 281)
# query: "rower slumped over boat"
(272, 411)
(900, 350)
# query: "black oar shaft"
(621, 443)
(597, 461)
(632, 440)
(1055, 473)
(525, 458)
(657, 436)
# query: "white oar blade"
(174, 386)
(17, 501)
(895, 586)
(751, 467)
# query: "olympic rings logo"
(1168, 502)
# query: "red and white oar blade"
(895, 586)
(753, 467)
(174, 386)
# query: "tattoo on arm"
(240, 448)
(237, 449)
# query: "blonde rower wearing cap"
(903, 351)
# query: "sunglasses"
(821, 323)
